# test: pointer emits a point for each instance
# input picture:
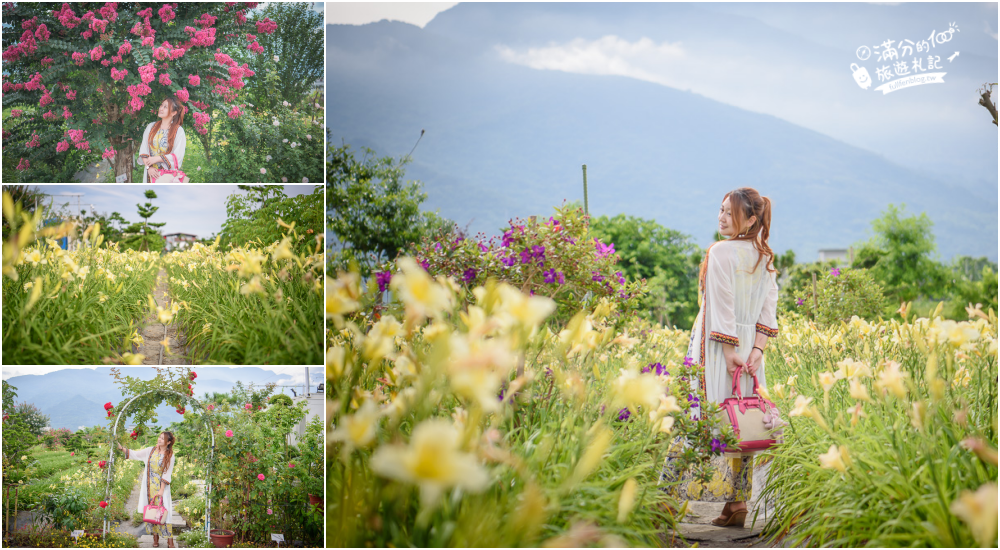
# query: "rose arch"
(119, 421)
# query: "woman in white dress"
(163, 145)
(159, 461)
(738, 300)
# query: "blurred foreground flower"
(432, 460)
(979, 511)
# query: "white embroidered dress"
(143, 456)
(738, 301)
(174, 160)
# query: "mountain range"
(506, 139)
(74, 398)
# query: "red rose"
(180, 410)
(193, 375)
(103, 504)
(108, 406)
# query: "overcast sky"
(359, 13)
(197, 209)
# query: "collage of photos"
(499, 274)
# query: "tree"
(92, 82)
(666, 258)
(374, 215)
(32, 417)
(298, 43)
(142, 238)
(985, 100)
(254, 216)
(899, 255)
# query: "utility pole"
(586, 206)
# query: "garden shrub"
(842, 294)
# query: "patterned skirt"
(732, 479)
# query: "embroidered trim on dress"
(724, 338)
(764, 329)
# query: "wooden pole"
(586, 205)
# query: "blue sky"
(197, 209)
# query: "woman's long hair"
(175, 122)
(745, 203)
(170, 450)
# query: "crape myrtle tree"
(90, 76)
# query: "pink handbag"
(151, 513)
(748, 416)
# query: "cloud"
(989, 31)
(609, 55)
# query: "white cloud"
(609, 55)
(989, 31)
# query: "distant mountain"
(505, 140)
(61, 394)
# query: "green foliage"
(281, 400)
(195, 538)
(47, 537)
(17, 439)
(33, 417)
(298, 43)
(252, 218)
(374, 215)
(66, 508)
(841, 294)
(972, 286)
(796, 279)
(667, 259)
(139, 236)
(899, 256)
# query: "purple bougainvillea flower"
(383, 279)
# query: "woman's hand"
(753, 362)
(733, 360)
(154, 173)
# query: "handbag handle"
(153, 502)
(737, 392)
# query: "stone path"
(697, 529)
(146, 541)
(153, 332)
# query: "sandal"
(735, 519)
(170, 543)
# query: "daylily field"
(466, 416)
(252, 304)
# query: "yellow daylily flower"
(626, 501)
(836, 458)
(979, 511)
(358, 430)
(432, 460)
(891, 380)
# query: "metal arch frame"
(111, 458)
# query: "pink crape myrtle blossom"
(234, 112)
(194, 79)
(75, 135)
(16, 113)
(255, 47)
(71, 95)
(166, 13)
(24, 164)
(96, 53)
(108, 153)
(182, 95)
(66, 17)
(118, 75)
(50, 115)
(205, 20)
(42, 33)
(165, 79)
(83, 146)
(266, 26)
(79, 58)
(125, 48)
(62, 146)
(33, 142)
(66, 114)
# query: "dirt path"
(153, 332)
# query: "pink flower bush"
(234, 112)
(162, 53)
(291, 464)
(98, 25)
(109, 11)
(125, 48)
(118, 75)
(194, 79)
(96, 53)
(147, 73)
(76, 135)
(229, 433)
(79, 58)
(62, 146)
(266, 26)
(16, 113)
(33, 142)
(255, 47)
(50, 115)
(182, 95)
(42, 34)
(166, 13)
(66, 114)
(87, 34)
(200, 119)
(205, 20)
(165, 79)
(23, 164)
(66, 17)
(260, 477)
(211, 407)
(46, 100)
(71, 95)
